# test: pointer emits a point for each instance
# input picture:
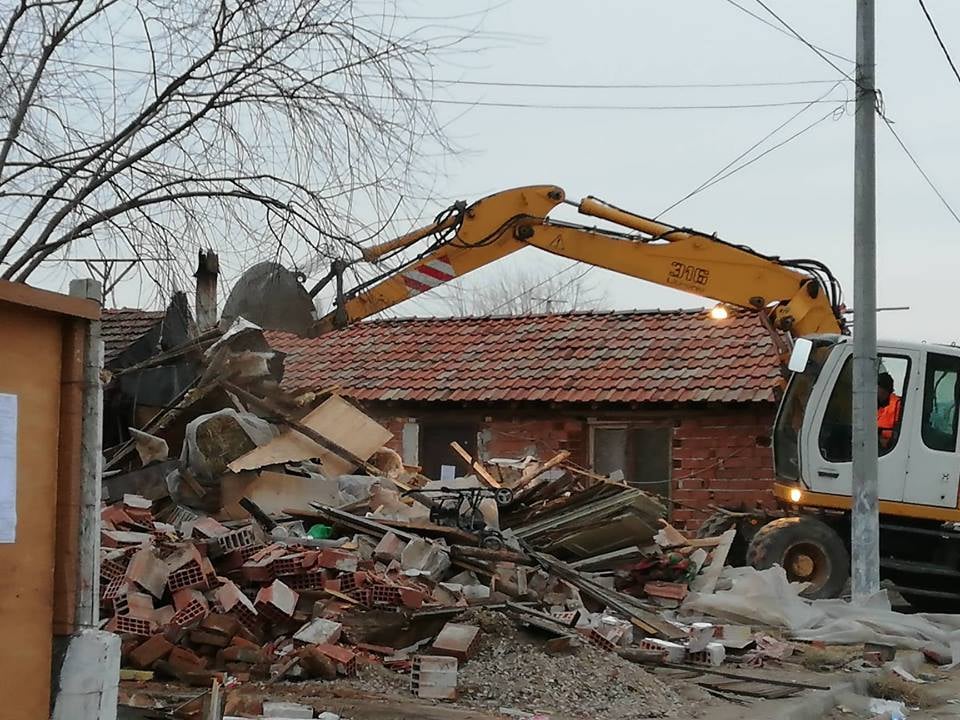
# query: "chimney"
(208, 268)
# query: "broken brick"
(202, 637)
(147, 653)
(277, 602)
(666, 590)
(225, 625)
(456, 640)
(336, 559)
(345, 660)
(149, 571)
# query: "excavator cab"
(918, 480)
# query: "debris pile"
(251, 536)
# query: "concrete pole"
(865, 525)
(91, 464)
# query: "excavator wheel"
(809, 550)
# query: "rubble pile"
(250, 536)
(514, 669)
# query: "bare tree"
(145, 129)
(522, 292)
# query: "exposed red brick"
(345, 660)
(147, 653)
(456, 640)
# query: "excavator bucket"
(272, 297)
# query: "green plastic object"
(320, 532)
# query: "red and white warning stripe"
(428, 275)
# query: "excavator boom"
(799, 297)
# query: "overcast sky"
(795, 201)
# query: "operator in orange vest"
(889, 407)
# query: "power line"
(919, 169)
(832, 113)
(709, 181)
(549, 106)
(806, 42)
(505, 84)
(883, 117)
(630, 86)
(714, 181)
(939, 40)
(791, 33)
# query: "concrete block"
(434, 677)
(672, 651)
(319, 632)
(424, 557)
(456, 640)
(89, 678)
(700, 635)
(273, 709)
(733, 636)
(713, 655)
(149, 571)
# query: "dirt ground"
(528, 684)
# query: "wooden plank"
(557, 459)
(336, 420)
(31, 356)
(68, 482)
(706, 581)
(19, 294)
(477, 466)
(273, 492)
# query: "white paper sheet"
(8, 468)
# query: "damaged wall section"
(715, 455)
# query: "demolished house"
(264, 553)
(259, 535)
(130, 337)
(680, 403)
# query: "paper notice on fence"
(8, 468)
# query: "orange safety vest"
(887, 418)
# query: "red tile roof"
(635, 356)
(124, 326)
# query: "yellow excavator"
(799, 301)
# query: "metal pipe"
(865, 523)
(597, 208)
(374, 253)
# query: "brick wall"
(720, 456)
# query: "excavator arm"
(798, 296)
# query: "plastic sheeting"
(767, 597)
(259, 431)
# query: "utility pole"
(865, 525)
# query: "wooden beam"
(477, 466)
